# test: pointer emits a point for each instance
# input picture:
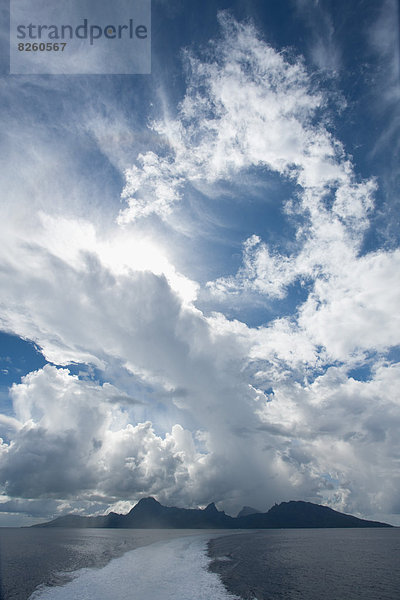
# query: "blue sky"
(199, 282)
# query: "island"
(150, 514)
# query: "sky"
(199, 280)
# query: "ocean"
(101, 564)
(310, 564)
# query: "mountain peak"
(150, 501)
(145, 504)
(211, 508)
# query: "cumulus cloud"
(344, 429)
(75, 441)
(75, 438)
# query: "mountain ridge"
(148, 513)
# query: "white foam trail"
(174, 570)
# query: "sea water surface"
(105, 563)
(309, 564)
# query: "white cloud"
(74, 438)
(356, 310)
(236, 113)
(249, 106)
(75, 441)
(350, 310)
(345, 429)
